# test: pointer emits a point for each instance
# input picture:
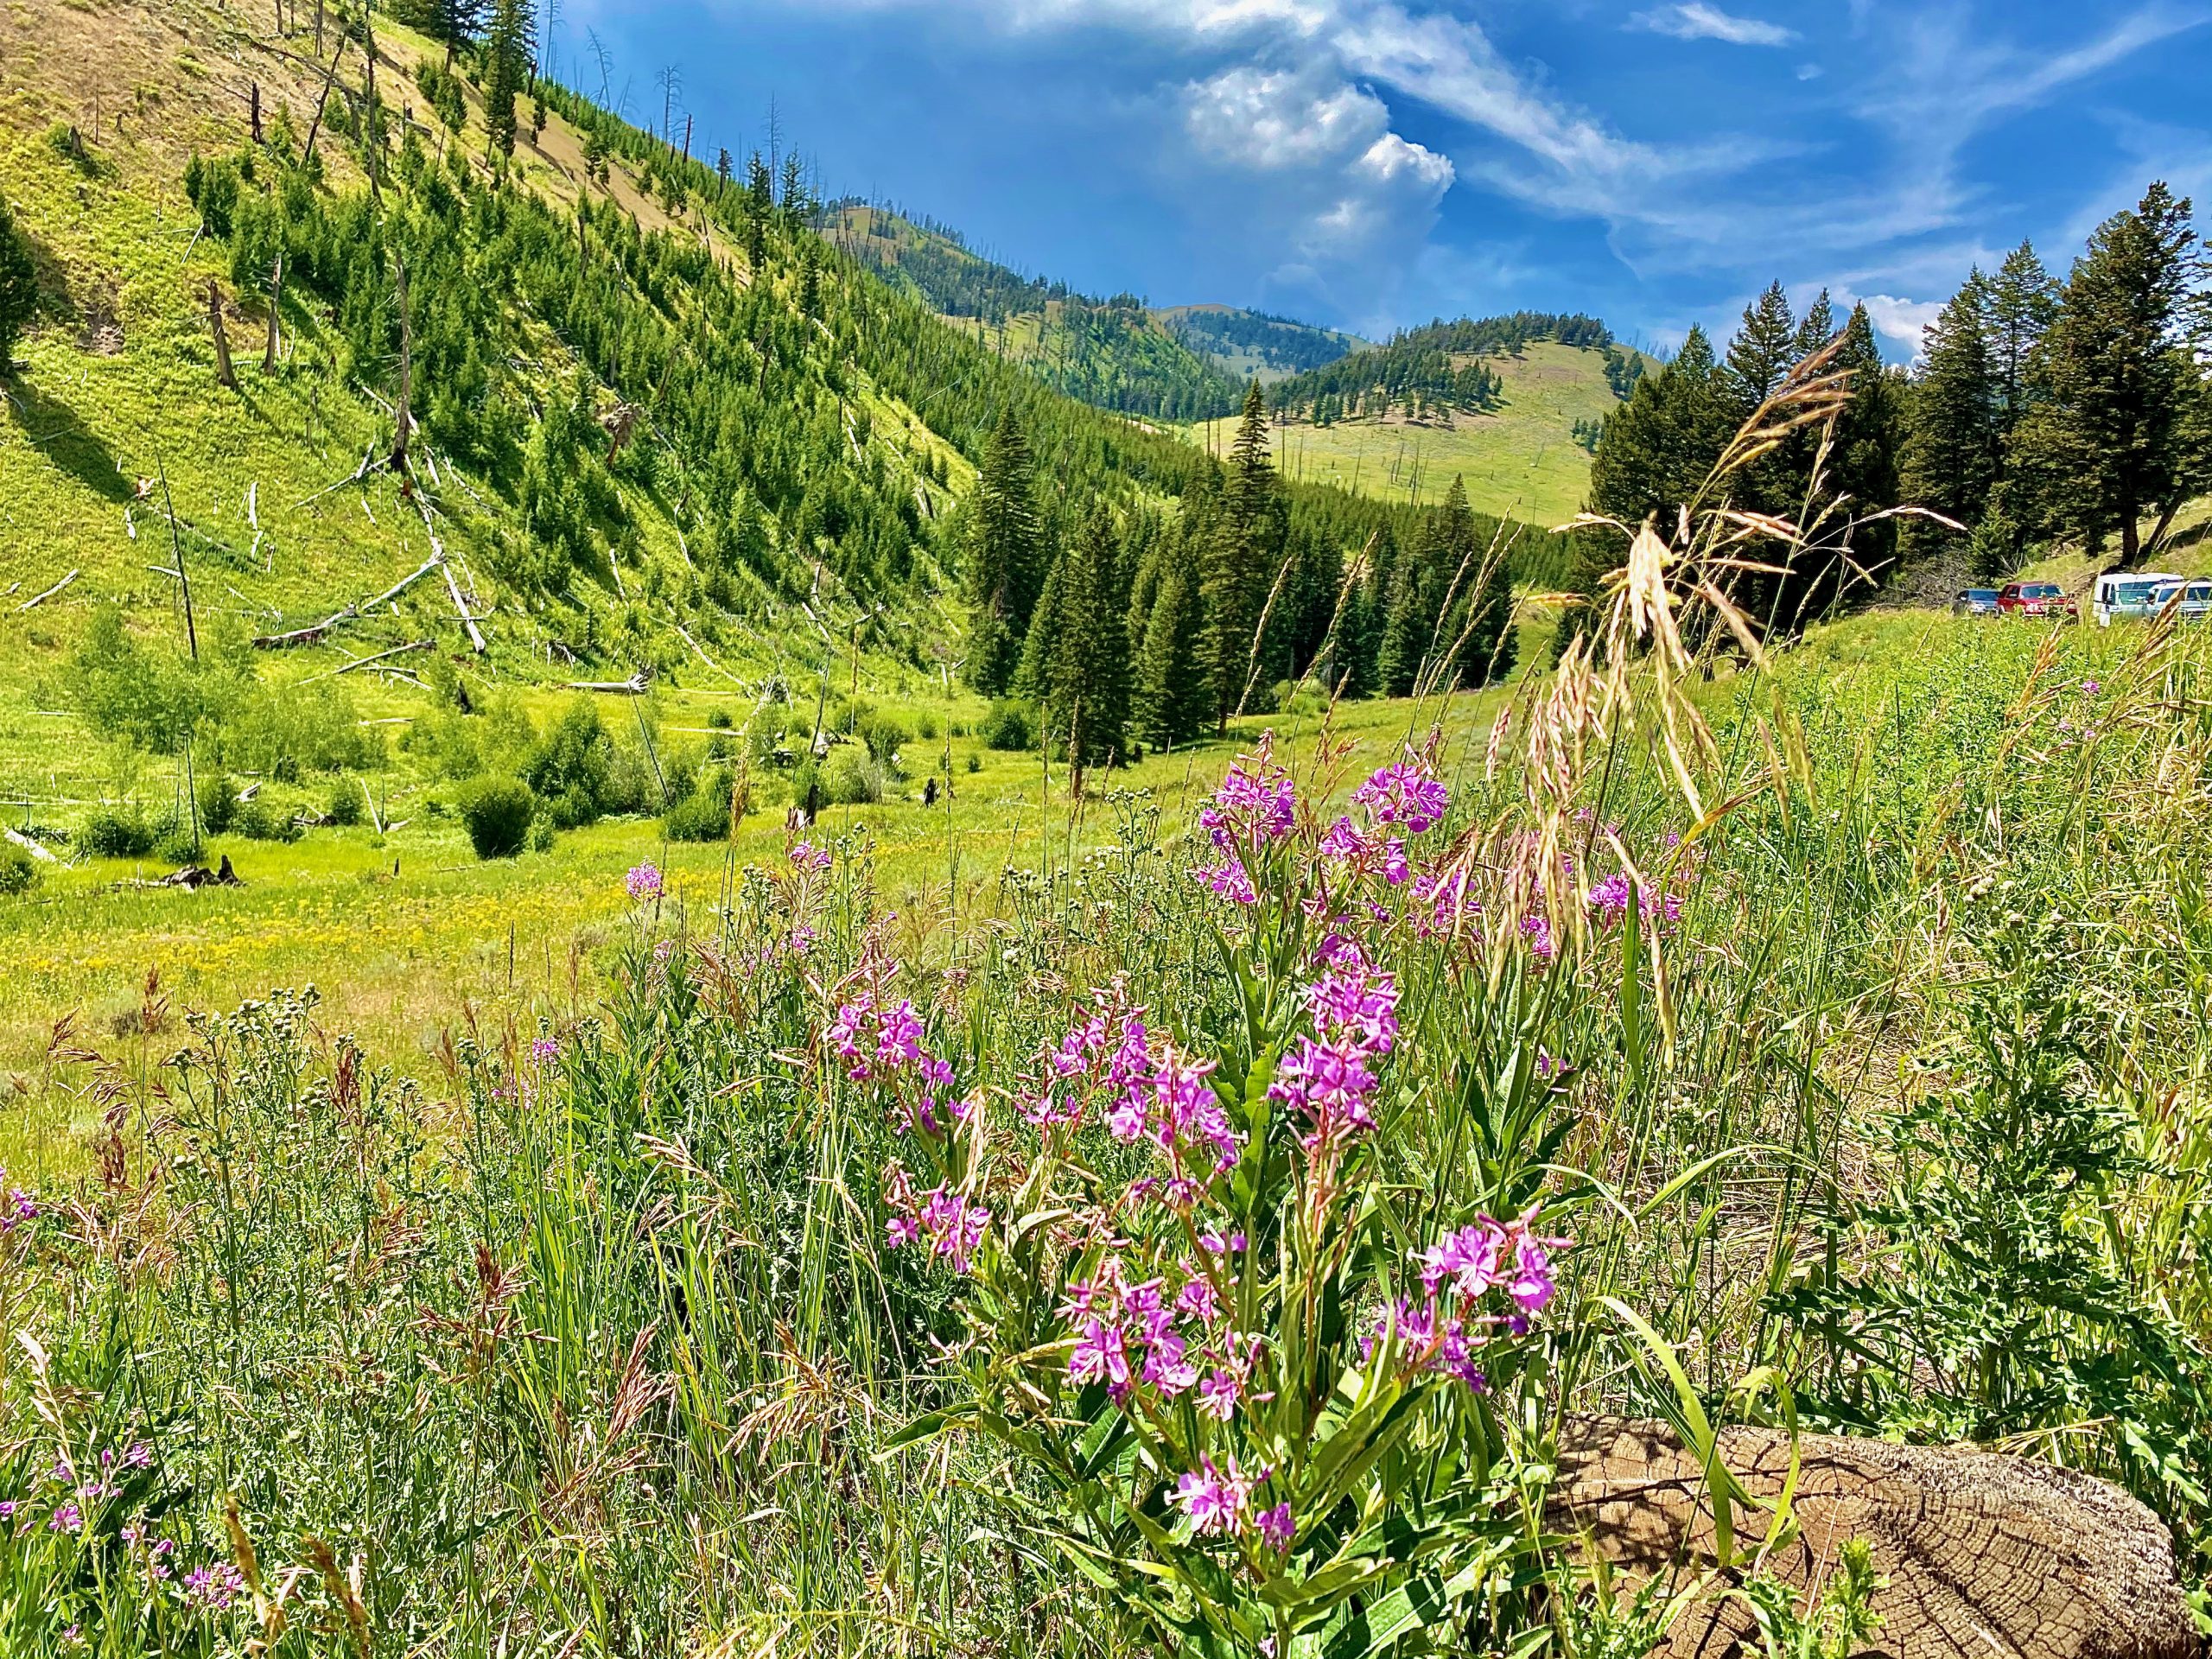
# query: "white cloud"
(1696, 21)
(1903, 321)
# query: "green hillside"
(1256, 345)
(1520, 454)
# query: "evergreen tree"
(508, 49)
(1242, 567)
(1407, 627)
(2022, 301)
(1762, 354)
(1864, 465)
(18, 288)
(760, 208)
(1173, 698)
(451, 22)
(1005, 558)
(810, 278)
(1480, 626)
(1954, 445)
(1087, 687)
(2111, 446)
(1818, 328)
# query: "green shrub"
(541, 834)
(852, 777)
(703, 815)
(882, 734)
(117, 832)
(496, 812)
(346, 803)
(975, 761)
(1009, 726)
(805, 777)
(18, 870)
(258, 820)
(218, 803)
(926, 727)
(177, 845)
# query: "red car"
(2044, 598)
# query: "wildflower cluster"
(17, 1207)
(643, 883)
(1445, 1330)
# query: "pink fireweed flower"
(1198, 1300)
(1467, 1263)
(1329, 1080)
(214, 1587)
(1256, 804)
(1099, 1356)
(1218, 1395)
(67, 1517)
(1228, 880)
(1168, 1366)
(1529, 1282)
(1218, 1502)
(1538, 931)
(1214, 1241)
(1355, 1004)
(898, 1036)
(1407, 794)
(805, 855)
(1277, 1526)
(643, 883)
(2091, 687)
(954, 1227)
(17, 1208)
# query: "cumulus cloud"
(1696, 21)
(1342, 192)
(1903, 321)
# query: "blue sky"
(1373, 164)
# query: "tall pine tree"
(508, 49)
(1087, 680)
(1247, 536)
(2112, 445)
(1005, 556)
(1173, 698)
(1954, 445)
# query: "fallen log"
(309, 636)
(37, 600)
(452, 587)
(365, 662)
(1981, 1555)
(33, 848)
(636, 686)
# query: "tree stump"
(1987, 1557)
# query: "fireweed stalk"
(1255, 1396)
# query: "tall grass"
(1852, 1001)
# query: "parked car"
(2125, 593)
(1974, 601)
(2046, 600)
(2196, 599)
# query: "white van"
(2129, 594)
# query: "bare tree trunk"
(329, 79)
(276, 304)
(406, 376)
(177, 551)
(253, 102)
(687, 137)
(224, 375)
(318, 27)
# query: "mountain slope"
(1172, 363)
(1505, 403)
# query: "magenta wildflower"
(67, 1517)
(1217, 1502)
(1277, 1528)
(643, 883)
(1100, 1356)
(1218, 1395)
(805, 855)
(1328, 1080)
(1407, 794)
(1228, 880)
(214, 1587)
(545, 1050)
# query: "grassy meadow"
(1519, 460)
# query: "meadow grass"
(1520, 461)
(597, 1346)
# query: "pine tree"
(1818, 328)
(1864, 465)
(1173, 698)
(1955, 443)
(810, 278)
(2110, 447)
(1239, 569)
(1762, 354)
(760, 208)
(18, 288)
(508, 49)
(1407, 628)
(1087, 688)
(1004, 560)
(1480, 626)
(2022, 301)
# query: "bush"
(346, 803)
(18, 870)
(852, 777)
(177, 845)
(882, 734)
(218, 803)
(975, 761)
(115, 832)
(805, 777)
(703, 815)
(1009, 726)
(257, 820)
(496, 812)
(926, 727)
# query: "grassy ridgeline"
(598, 1332)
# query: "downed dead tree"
(314, 635)
(1982, 1554)
(636, 686)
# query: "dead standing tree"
(224, 375)
(406, 421)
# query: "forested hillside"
(333, 355)
(1258, 345)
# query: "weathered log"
(37, 600)
(44, 854)
(636, 686)
(1983, 1555)
(368, 662)
(309, 636)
